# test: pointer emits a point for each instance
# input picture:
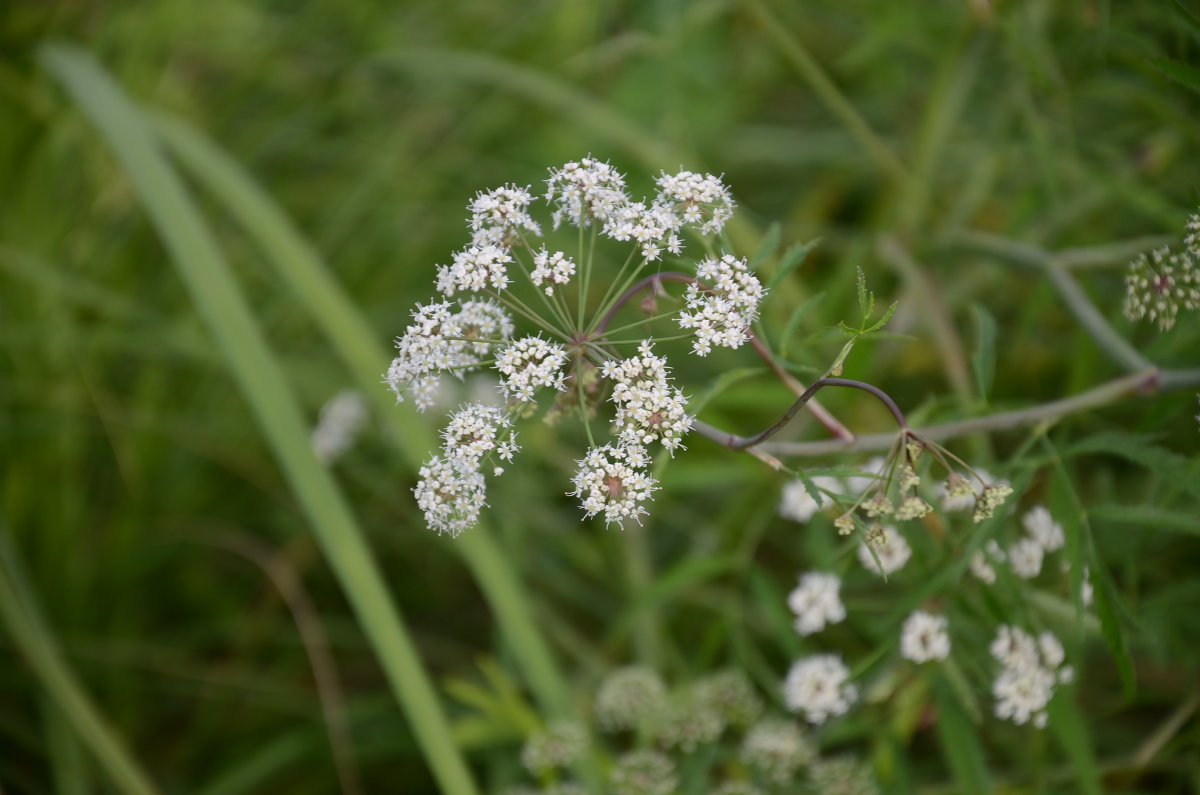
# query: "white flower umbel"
(1025, 558)
(611, 481)
(651, 227)
(501, 215)
(473, 269)
(440, 340)
(798, 505)
(585, 191)
(1160, 284)
(530, 364)
(648, 408)
(924, 637)
(476, 430)
(551, 269)
(722, 305)
(629, 698)
(341, 419)
(891, 549)
(642, 773)
(815, 602)
(819, 688)
(1030, 670)
(451, 493)
(981, 561)
(1041, 527)
(700, 200)
(777, 748)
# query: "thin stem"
(1144, 382)
(613, 289)
(649, 339)
(583, 415)
(532, 317)
(641, 322)
(552, 305)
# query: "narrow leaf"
(793, 258)
(961, 747)
(1070, 729)
(766, 248)
(983, 360)
(1179, 71)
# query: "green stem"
(642, 322)
(611, 293)
(529, 315)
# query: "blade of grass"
(19, 612)
(263, 384)
(303, 269)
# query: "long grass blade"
(263, 384)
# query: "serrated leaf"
(961, 747)
(878, 324)
(1179, 71)
(863, 301)
(767, 247)
(793, 258)
(983, 360)
(1070, 729)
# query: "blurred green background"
(174, 560)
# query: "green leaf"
(878, 324)
(983, 360)
(1181, 472)
(1106, 600)
(793, 258)
(961, 747)
(1179, 71)
(1188, 16)
(766, 248)
(1070, 729)
(866, 299)
(1149, 517)
(793, 321)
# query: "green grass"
(197, 254)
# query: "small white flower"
(1042, 528)
(798, 505)
(610, 480)
(648, 408)
(550, 269)
(1025, 558)
(529, 364)
(1159, 285)
(700, 200)
(818, 687)
(651, 227)
(340, 421)
(924, 637)
(778, 748)
(473, 269)
(1022, 694)
(980, 565)
(816, 602)
(476, 430)
(721, 309)
(585, 191)
(893, 552)
(1014, 647)
(451, 494)
(501, 212)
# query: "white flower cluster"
(819, 687)
(497, 215)
(1030, 671)
(1159, 285)
(549, 269)
(612, 480)
(891, 550)
(778, 748)
(982, 560)
(452, 491)
(701, 200)
(529, 364)
(340, 421)
(649, 409)
(651, 226)
(924, 637)
(722, 304)
(473, 269)
(439, 340)
(643, 773)
(583, 191)
(1026, 555)
(958, 494)
(558, 745)
(1042, 528)
(816, 602)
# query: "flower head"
(501, 214)
(1042, 528)
(550, 269)
(1025, 557)
(778, 748)
(529, 364)
(819, 687)
(475, 268)
(721, 306)
(451, 493)
(981, 561)
(557, 745)
(583, 191)
(700, 200)
(643, 773)
(611, 480)
(628, 698)
(1030, 670)
(815, 602)
(992, 497)
(1160, 284)
(924, 637)
(649, 409)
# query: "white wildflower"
(981, 565)
(1157, 286)
(924, 637)
(651, 227)
(722, 304)
(340, 421)
(473, 269)
(451, 494)
(610, 480)
(558, 745)
(991, 498)
(818, 687)
(891, 549)
(912, 507)
(529, 364)
(642, 773)
(629, 698)
(815, 602)
(778, 748)
(1030, 670)
(500, 213)
(648, 408)
(798, 505)
(1025, 557)
(476, 430)
(700, 200)
(1014, 647)
(551, 269)
(1042, 528)
(583, 191)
